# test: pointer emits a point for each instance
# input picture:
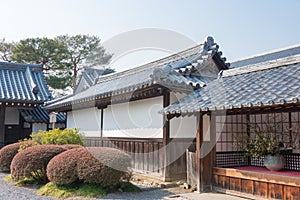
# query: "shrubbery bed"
(103, 165)
(7, 154)
(62, 169)
(100, 165)
(32, 162)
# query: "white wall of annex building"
(138, 119)
(12, 116)
(182, 127)
(87, 120)
(36, 127)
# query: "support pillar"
(205, 154)
(2, 125)
(166, 139)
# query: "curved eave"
(107, 98)
(293, 102)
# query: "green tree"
(51, 53)
(5, 50)
(84, 49)
(62, 57)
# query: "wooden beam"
(2, 125)
(206, 154)
(101, 126)
(166, 139)
(198, 147)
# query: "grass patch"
(73, 190)
(86, 190)
(27, 181)
(8, 178)
(21, 182)
(129, 187)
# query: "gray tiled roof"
(89, 77)
(185, 65)
(268, 56)
(263, 84)
(22, 83)
(40, 115)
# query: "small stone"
(179, 182)
(186, 186)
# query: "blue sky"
(241, 28)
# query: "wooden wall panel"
(256, 185)
(247, 186)
(275, 191)
(235, 184)
(261, 189)
(291, 193)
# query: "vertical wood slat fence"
(145, 152)
(148, 154)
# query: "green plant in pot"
(269, 141)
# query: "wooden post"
(101, 127)
(2, 125)
(166, 138)
(198, 147)
(205, 152)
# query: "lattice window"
(228, 128)
(232, 127)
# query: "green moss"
(22, 181)
(8, 178)
(86, 190)
(26, 181)
(128, 187)
(73, 190)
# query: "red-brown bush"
(62, 169)
(105, 166)
(7, 154)
(72, 146)
(33, 161)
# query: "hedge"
(62, 169)
(100, 165)
(7, 154)
(32, 162)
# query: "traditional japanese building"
(193, 100)
(122, 109)
(23, 91)
(265, 89)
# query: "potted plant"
(266, 141)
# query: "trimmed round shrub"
(103, 165)
(72, 146)
(32, 162)
(7, 154)
(24, 144)
(62, 169)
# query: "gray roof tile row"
(267, 83)
(144, 76)
(22, 83)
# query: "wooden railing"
(147, 153)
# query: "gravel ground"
(9, 191)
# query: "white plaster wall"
(38, 126)
(134, 119)
(12, 116)
(87, 120)
(182, 127)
